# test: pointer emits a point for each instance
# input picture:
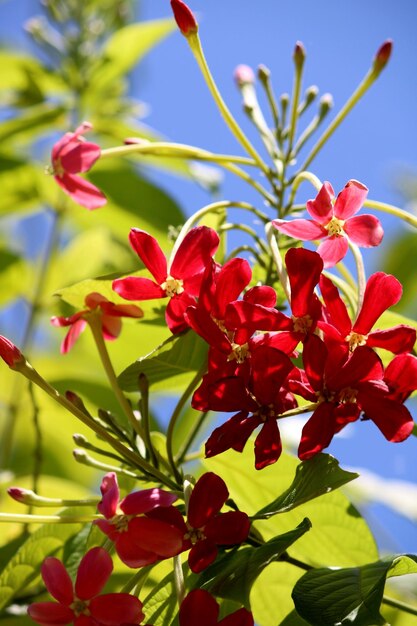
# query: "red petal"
(135, 288)
(333, 249)
(80, 158)
(268, 446)
(350, 199)
(382, 291)
(195, 252)
(270, 368)
(232, 434)
(401, 376)
(392, 418)
(93, 573)
(148, 250)
(111, 327)
(304, 268)
(199, 607)
(305, 230)
(228, 529)
(81, 191)
(318, 431)
(131, 554)
(174, 313)
(144, 501)
(264, 295)
(314, 359)
(9, 352)
(207, 498)
(242, 314)
(155, 535)
(57, 580)
(113, 609)
(110, 496)
(398, 339)
(242, 617)
(230, 282)
(363, 365)
(201, 555)
(321, 209)
(50, 613)
(364, 230)
(184, 17)
(72, 335)
(335, 311)
(121, 310)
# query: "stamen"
(335, 227)
(173, 286)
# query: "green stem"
(301, 177)
(361, 274)
(145, 417)
(48, 519)
(294, 107)
(273, 244)
(299, 410)
(179, 580)
(182, 452)
(249, 231)
(392, 210)
(397, 604)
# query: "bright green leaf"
(19, 183)
(160, 605)
(19, 71)
(33, 121)
(313, 478)
(326, 597)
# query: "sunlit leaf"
(33, 121)
(19, 182)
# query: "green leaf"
(233, 575)
(34, 120)
(170, 364)
(19, 182)
(19, 73)
(24, 566)
(326, 597)
(160, 605)
(126, 48)
(313, 478)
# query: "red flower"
(179, 280)
(184, 17)
(10, 354)
(110, 319)
(382, 291)
(140, 524)
(401, 376)
(81, 603)
(199, 607)
(71, 155)
(333, 221)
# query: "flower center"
(355, 340)
(239, 352)
(80, 607)
(172, 286)
(121, 522)
(348, 395)
(194, 535)
(302, 324)
(335, 227)
(266, 412)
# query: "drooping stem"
(301, 177)
(392, 210)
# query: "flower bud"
(299, 55)
(382, 56)
(184, 17)
(326, 103)
(10, 353)
(244, 75)
(311, 94)
(19, 494)
(264, 73)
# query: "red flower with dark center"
(334, 220)
(110, 315)
(81, 603)
(71, 155)
(139, 536)
(382, 291)
(179, 280)
(199, 607)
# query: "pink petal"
(335, 311)
(305, 230)
(364, 230)
(135, 288)
(72, 335)
(122, 310)
(50, 613)
(332, 250)
(113, 609)
(195, 252)
(268, 446)
(67, 321)
(93, 573)
(144, 501)
(80, 158)
(111, 327)
(321, 209)
(60, 145)
(201, 555)
(318, 431)
(350, 199)
(57, 580)
(81, 191)
(174, 313)
(228, 529)
(110, 496)
(398, 339)
(304, 268)
(382, 291)
(207, 498)
(199, 607)
(148, 250)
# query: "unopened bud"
(80, 440)
(326, 103)
(382, 56)
(311, 94)
(10, 354)
(72, 397)
(299, 55)
(264, 73)
(244, 75)
(20, 495)
(129, 141)
(184, 17)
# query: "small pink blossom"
(71, 155)
(335, 221)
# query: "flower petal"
(262, 294)
(232, 279)
(82, 191)
(305, 230)
(80, 158)
(111, 327)
(155, 535)
(207, 498)
(232, 434)
(401, 376)
(318, 431)
(137, 288)
(397, 339)
(57, 580)
(333, 249)
(304, 268)
(149, 251)
(113, 609)
(175, 311)
(268, 446)
(195, 252)
(350, 199)
(364, 230)
(144, 501)
(72, 335)
(241, 617)
(132, 555)
(50, 613)
(198, 607)
(335, 311)
(392, 418)
(201, 555)
(321, 208)
(110, 496)
(382, 291)
(93, 573)
(228, 529)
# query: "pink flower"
(110, 319)
(179, 280)
(81, 603)
(71, 155)
(10, 354)
(139, 525)
(335, 222)
(199, 607)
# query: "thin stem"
(301, 177)
(392, 210)
(180, 456)
(248, 230)
(299, 410)
(145, 417)
(273, 244)
(179, 580)
(197, 50)
(294, 107)
(137, 581)
(361, 274)
(48, 519)
(397, 604)
(38, 451)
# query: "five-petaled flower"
(199, 607)
(81, 603)
(335, 222)
(179, 280)
(109, 313)
(139, 525)
(72, 155)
